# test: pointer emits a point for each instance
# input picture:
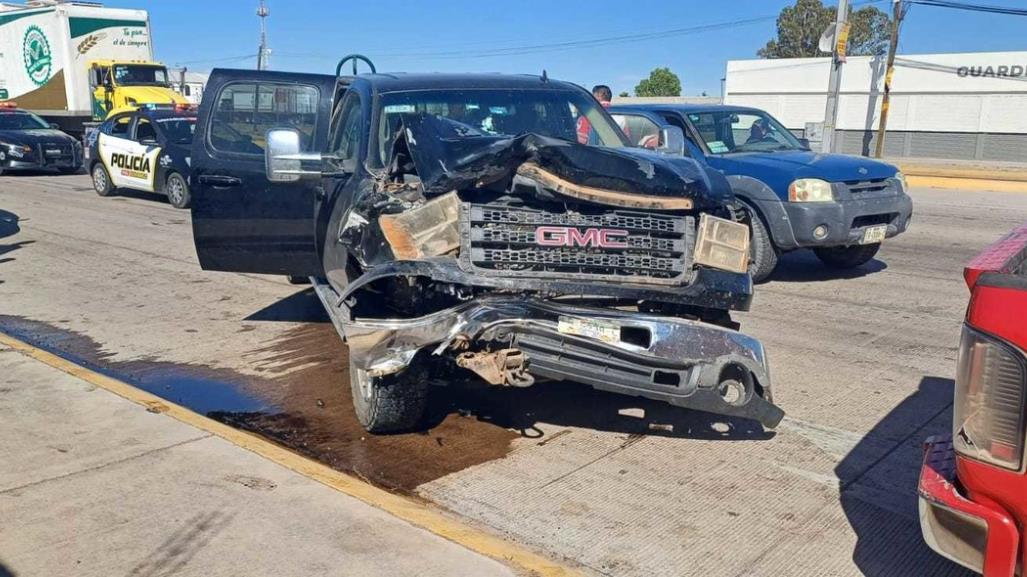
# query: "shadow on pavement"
(301, 307)
(9, 227)
(568, 404)
(878, 493)
(804, 266)
(5, 572)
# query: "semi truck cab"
(122, 85)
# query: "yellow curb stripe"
(975, 184)
(414, 512)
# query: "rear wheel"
(177, 190)
(763, 255)
(847, 256)
(392, 403)
(101, 180)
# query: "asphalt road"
(862, 362)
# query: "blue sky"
(310, 35)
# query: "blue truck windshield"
(553, 113)
(727, 132)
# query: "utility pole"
(899, 12)
(264, 53)
(841, 37)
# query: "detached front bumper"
(981, 537)
(685, 363)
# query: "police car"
(145, 149)
(27, 142)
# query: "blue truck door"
(242, 222)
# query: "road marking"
(412, 511)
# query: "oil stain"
(303, 403)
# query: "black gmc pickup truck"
(453, 225)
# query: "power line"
(971, 7)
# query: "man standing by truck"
(604, 95)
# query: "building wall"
(968, 106)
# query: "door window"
(346, 131)
(119, 126)
(640, 130)
(145, 132)
(245, 111)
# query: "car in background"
(973, 484)
(145, 149)
(27, 142)
(843, 207)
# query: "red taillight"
(989, 406)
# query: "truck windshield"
(20, 120)
(178, 130)
(553, 113)
(133, 74)
(728, 132)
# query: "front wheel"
(847, 256)
(389, 404)
(763, 254)
(101, 180)
(178, 190)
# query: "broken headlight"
(988, 408)
(427, 230)
(722, 244)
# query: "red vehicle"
(973, 484)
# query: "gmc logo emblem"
(590, 237)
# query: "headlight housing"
(722, 244)
(901, 178)
(810, 190)
(16, 150)
(988, 417)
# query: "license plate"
(603, 331)
(53, 152)
(874, 234)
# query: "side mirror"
(672, 141)
(55, 126)
(804, 142)
(282, 157)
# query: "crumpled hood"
(806, 164)
(447, 156)
(35, 136)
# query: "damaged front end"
(527, 258)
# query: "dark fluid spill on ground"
(304, 403)
(202, 389)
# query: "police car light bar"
(8, 104)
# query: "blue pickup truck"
(843, 207)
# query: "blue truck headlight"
(901, 179)
(810, 190)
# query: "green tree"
(624, 94)
(661, 82)
(799, 28)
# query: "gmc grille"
(501, 241)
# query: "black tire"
(847, 256)
(177, 190)
(390, 404)
(101, 180)
(764, 254)
(299, 280)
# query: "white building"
(189, 84)
(960, 106)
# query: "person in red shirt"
(604, 95)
